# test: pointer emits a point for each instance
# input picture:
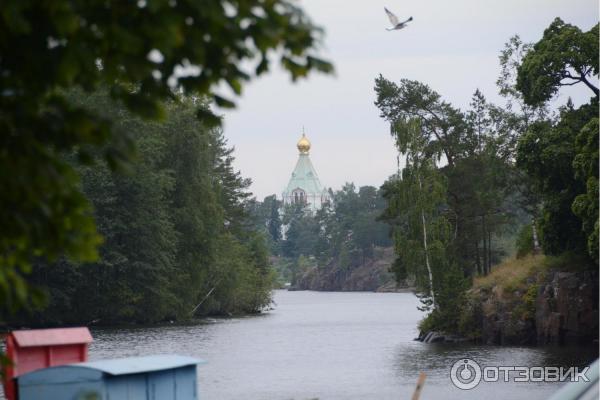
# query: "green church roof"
(304, 177)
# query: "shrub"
(525, 241)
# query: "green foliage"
(547, 151)
(451, 297)
(177, 232)
(511, 57)
(346, 229)
(564, 56)
(267, 219)
(441, 124)
(475, 149)
(422, 232)
(452, 197)
(569, 261)
(525, 241)
(347, 224)
(561, 157)
(274, 221)
(243, 277)
(302, 232)
(526, 311)
(585, 164)
(143, 52)
(469, 319)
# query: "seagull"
(394, 20)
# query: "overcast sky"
(452, 46)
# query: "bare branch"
(571, 83)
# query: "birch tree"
(416, 204)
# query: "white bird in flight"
(394, 20)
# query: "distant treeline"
(177, 237)
(346, 229)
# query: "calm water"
(330, 346)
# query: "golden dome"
(303, 144)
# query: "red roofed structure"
(29, 350)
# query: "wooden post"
(420, 383)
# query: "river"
(330, 345)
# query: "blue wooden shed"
(161, 377)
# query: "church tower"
(304, 186)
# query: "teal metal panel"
(71, 391)
(118, 388)
(162, 385)
(185, 383)
(130, 387)
(138, 378)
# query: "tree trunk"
(536, 242)
(588, 84)
(477, 259)
(427, 259)
(456, 226)
(485, 251)
(489, 246)
(425, 247)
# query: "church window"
(299, 196)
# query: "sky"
(452, 46)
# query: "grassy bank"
(515, 273)
(512, 274)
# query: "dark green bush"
(525, 241)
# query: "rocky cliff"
(371, 274)
(548, 306)
(567, 308)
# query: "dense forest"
(167, 224)
(181, 235)
(346, 230)
(178, 240)
(468, 176)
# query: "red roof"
(52, 337)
